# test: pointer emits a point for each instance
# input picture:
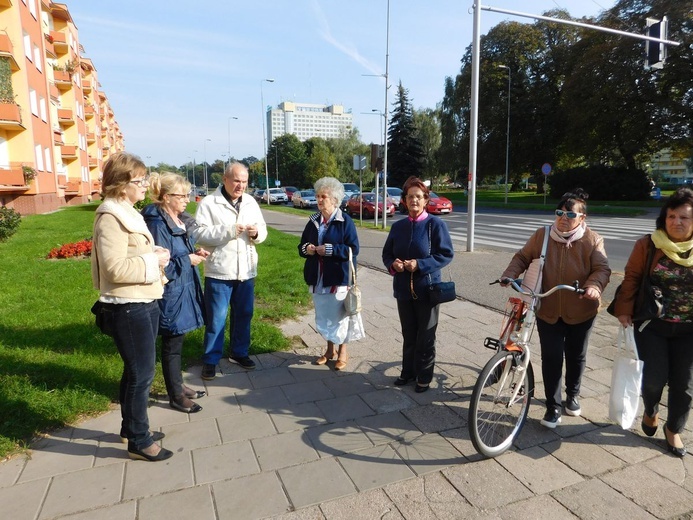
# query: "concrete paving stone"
(486, 484)
(144, 478)
(624, 444)
(663, 498)
(196, 502)
(305, 415)
(542, 506)
(601, 375)
(592, 388)
(284, 449)
(59, 457)
(306, 513)
(371, 505)
(430, 496)
(344, 408)
(596, 361)
(432, 418)
(98, 426)
(82, 490)
(215, 406)
(304, 392)
(271, 377)
(231, 497)
(679, 471)
(11, 469)
(315, 482)
(538, 470)
(437, 393)
(338, 438)
(350, 384)
(122, 511)
(264, 399)
(374, 467)
(384, 376)
(231, 460)
(589, 462)
(245, 426)
(227, 366)
(459, 438)
(387, 400)
(161, 414)
(110, 451)
(23, 501)
(594, 500)
(307, 371)
(596, 409)
(228, 384)
(278, 359)
(460, 407)
(388, 427)
(192, 435)
(428, 453)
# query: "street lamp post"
(507, 136)
(264, 136)
(150, 166)
(205, 168)
(229, 125)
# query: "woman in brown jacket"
(564, 319)
(665, 344)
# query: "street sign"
(277, 183)
(359, 162)
(546, 168)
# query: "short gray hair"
(332, 186)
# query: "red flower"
(76, 249)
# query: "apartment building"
(56, 125)
(306, 120)
(671, 167)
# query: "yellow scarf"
(673, 249)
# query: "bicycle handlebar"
(515, 283)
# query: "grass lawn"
(55, 366)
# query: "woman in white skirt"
(325, 244)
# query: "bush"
(602, 183)
(9, 222)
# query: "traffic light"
(655, 52)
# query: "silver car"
(305, 199)
(276, 196)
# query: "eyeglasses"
(569, 214)
(179, 195)
(140, 182)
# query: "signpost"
(360, 165)
(546, 170)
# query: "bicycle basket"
(513, 316)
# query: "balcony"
(62, 79)
(7, 51)
(65, 116)
(88, 112)
(73, 187)
(68, 152)
(12, 176)
(60, 42)
(58, 138)
(10, 116)
(93, 162)
(91, 137)
(5, 3)
(86, 85)
(95, 186)
(50, 50)
(53, 91)
(62, 181)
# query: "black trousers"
(558, 341)
(419, 322)
(171, 350)
(666, 349)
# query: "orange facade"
(56, 126)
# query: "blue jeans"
(136, 326)
(218, 295)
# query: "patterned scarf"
(673, 249)
(568, 237)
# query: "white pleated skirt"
(332, 321)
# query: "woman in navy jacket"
(325, 244)
(415, 251)
(182, 305)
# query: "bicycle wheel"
(493, 421)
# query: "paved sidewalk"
(297, 441)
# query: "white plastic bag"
(625, 380)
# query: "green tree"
(405, 150)
(344, 148)
(286, 161)
(321, 160)
(427, 124)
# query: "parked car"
(354, 203)
(437, 205)
(394, 194)
(305, 199)
(290, 190)
(257, 194)
(350, 189)
(276, 196)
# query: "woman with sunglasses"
(564, 320)
(182, 304)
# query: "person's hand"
(591, 293)
(251, 229)
(398, 265)
(310, 249)
(163, 255)
(505, 282)
(202, 252)
(196, 259)
(411, 265)
(624, 319)
(320, 250)
(240, 228)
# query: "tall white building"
(306, 120)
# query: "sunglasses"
(569, 214)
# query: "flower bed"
(79, 249)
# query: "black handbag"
(649, 303)
(104, 318)
(439, 292)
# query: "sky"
(186, 80)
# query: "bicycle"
(505, 386)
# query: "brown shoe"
(341, 363)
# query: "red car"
(289, 190)
(437, 205)
(353, 205)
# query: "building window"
(49, 163)
(32, 8)
(43, 109)
(27, 47)
(39, 157)
(33, 102)
(37, 58)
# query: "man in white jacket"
(230, 224)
